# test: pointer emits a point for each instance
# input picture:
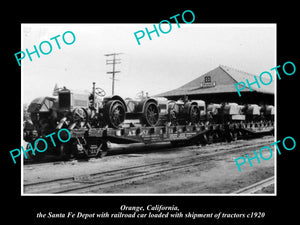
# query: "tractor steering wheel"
(100, 92)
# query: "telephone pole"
(113, 62)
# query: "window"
(207, 79)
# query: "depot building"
(218, 85)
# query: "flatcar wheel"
(234, 135)
(64, 152)
(229, 136)
(116, 113)
(203, 139)
(210, 138)
(151, 114)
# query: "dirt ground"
(218, 174)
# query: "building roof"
(221, 80)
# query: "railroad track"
(105, 179)
(228, 148)
(256, 186)
(69, 184)
(82, 184)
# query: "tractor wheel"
(114, 113)
(150, 115)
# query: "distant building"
(217, 86)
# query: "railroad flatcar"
(94, 119)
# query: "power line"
(113, 62)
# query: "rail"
(251, 189)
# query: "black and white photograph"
(149, 113)
(185, 113)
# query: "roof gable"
(217, 75)
(241, 76)
(221, 80)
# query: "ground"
(215, 173)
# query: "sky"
(158, 65)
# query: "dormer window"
(207, 79)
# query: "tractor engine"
(72, 109)
(180, 112)
(88, 110)
(146, 110)
(225, 112)
(253, 112)
(267, 113)
(184, 113)
(78, 110)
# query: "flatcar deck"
(166, 133)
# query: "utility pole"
(113, 72)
